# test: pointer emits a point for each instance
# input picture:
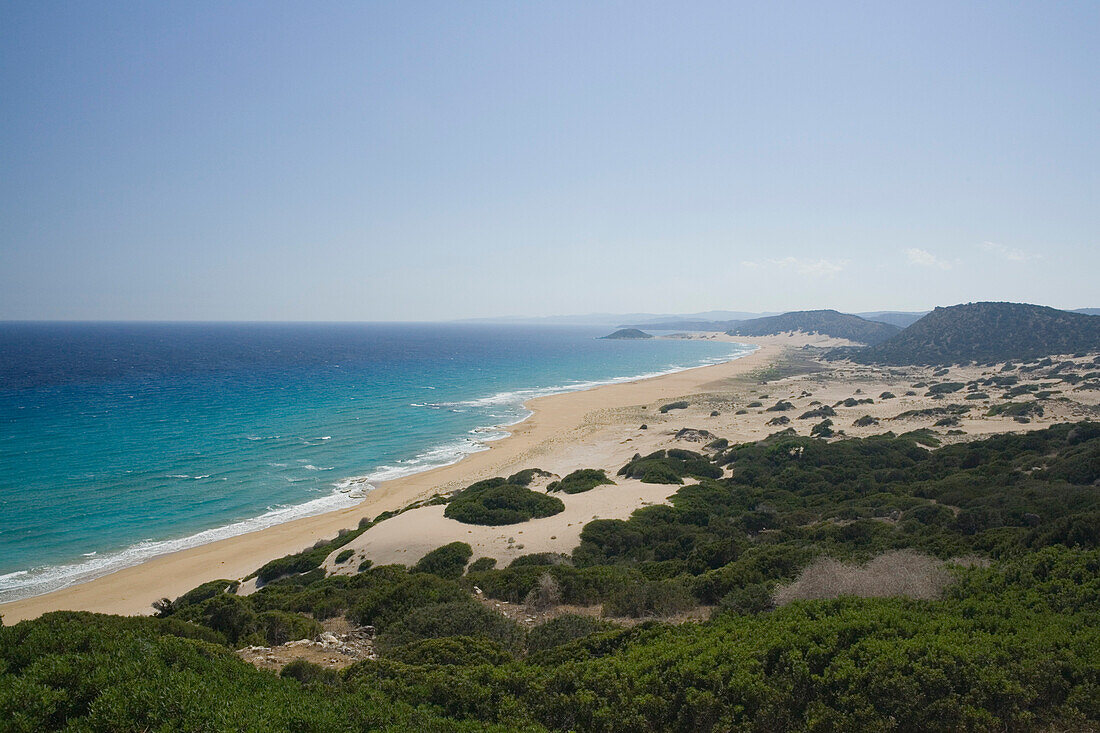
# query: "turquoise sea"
(123, 441)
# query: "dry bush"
(898, 573)
(545, 595)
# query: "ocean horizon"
(124, 441)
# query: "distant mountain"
(658, 321)
(628, 333)
(826, 322)
(685, 325)
(986, 332)
(901, 319)
(1087, 311)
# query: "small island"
(628, 333)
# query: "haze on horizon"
(430, 161)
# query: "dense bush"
(452, 650)
(652, 598)
(279, 627)
(454, 618)
(1015, 409)
(496, 502)
(1009, 644)
(527, 475)
(581, 480)
(670, 467)
(448, 561)
(564, 629)
(308, 673)
(481, 564)
(79, 671)
(387, 602)
(823, 411)
(681, 405)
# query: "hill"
(987, 332)
(628, 333)
(827, 322)
(901, 319)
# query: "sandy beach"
(594, 428)
(554, 434)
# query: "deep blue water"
(129, 440)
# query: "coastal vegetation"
(581, 480)
(497, 501)
(670, 466)
(679, 405)
(844, 584)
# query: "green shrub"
(482, 564)
(279, 627)
(564, 629)
(465, 651)
(944, 388)
(680, 405)
(653, 598)
(540, 559)
(1015, 409)
(455, 618)
(823, 411)
(229, 615)
(527, 475)
(197, 595)
(308, 673)
(448, 561)
(581, 480)
(496, 502)
(823, 429)
(780, 406)
(344, 556)
(754, 598)
(390, 600)
(670, 467)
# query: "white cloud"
(925, 258)
(1009, 253)
(803, 266)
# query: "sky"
(373, 161)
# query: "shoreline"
(131, 589)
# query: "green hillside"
(987, 332)
(826, 322)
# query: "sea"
(122, 441)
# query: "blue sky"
(408, 161)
